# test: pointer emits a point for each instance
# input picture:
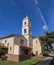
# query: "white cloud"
(45, 27)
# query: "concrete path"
(46, 61)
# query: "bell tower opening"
(25, 30)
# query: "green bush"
(2, 52)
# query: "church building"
(21, 46)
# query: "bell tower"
(27, 31)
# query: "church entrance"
(25, 53)
(36, 53)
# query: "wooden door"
(36, 53)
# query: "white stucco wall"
(16, 50)
(10, 41)
(27, 30)
(13, 40)
(26, 20)
(36, 46)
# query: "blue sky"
(13, 11)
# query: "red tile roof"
(11, 35)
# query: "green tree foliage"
(50, 37)
(2, 51)
(47, 40)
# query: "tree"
(43, 43)
(2, 51)
(46, 41)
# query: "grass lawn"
(32, 61)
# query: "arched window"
(24, 23)
(7, 44)
(24, 30)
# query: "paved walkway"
(46, 61)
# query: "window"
(36, 41)
(5, 41)
(24, 23)
(21, 41)
(24, 30)
(10, 48)
(7, 44)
